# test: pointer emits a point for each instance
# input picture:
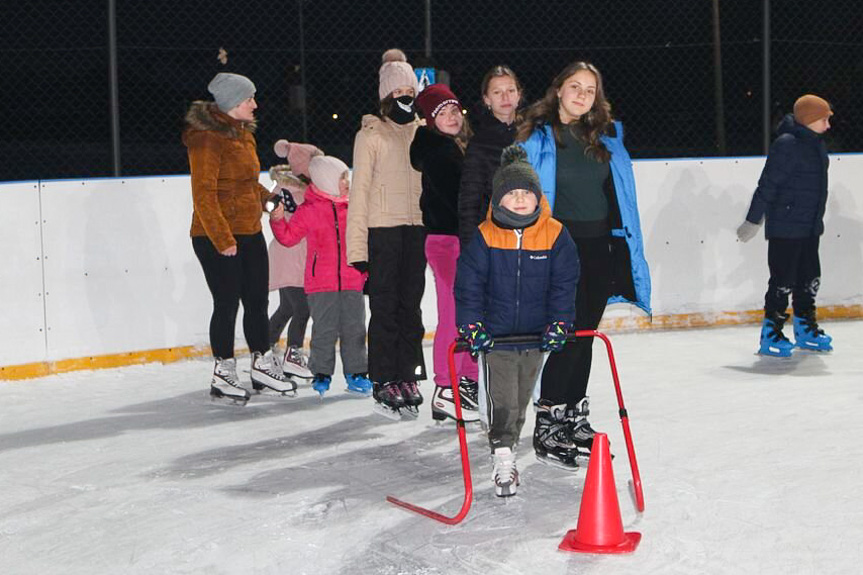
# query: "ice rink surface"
(750, 465)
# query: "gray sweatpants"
(338, 315)
(510, 377)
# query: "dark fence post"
(115, 93)
(767, 110)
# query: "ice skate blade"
(505, 491)
(222, 399)
(773, 355)
(358, 394)
(469, 416)
(558, 464)
(815, 349)
(270, 392)
(409, 412)
(388, 412)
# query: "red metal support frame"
(462, 436)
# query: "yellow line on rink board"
(609, 325)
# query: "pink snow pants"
(442, 254)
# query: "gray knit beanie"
(229, 90)
(514, 173)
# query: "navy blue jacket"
(792, 190)
(518, 284)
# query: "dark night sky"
(657, 58)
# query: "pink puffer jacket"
(318, 220)
(287, 265)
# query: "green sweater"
(581, 200)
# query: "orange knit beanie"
(810, 108)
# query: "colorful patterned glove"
(554, 337)
(476, 336)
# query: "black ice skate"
(268, 376)
(388, 400)
(225, 384)
(580, 430)
(412, 398)
(468, 390)
(552, 440)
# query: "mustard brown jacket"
(227, 197)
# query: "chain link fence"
(679, 92)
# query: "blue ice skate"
(807, 334)
(773, 341)
(358, 384)
(321, 383)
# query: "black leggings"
(233, 279)
(566, 373)
(293, 307)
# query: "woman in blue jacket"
(586, 174)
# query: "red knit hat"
(811, 108)
(433, 99)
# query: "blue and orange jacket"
(518, 281)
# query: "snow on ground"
(750, 465)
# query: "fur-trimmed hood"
(206, 116)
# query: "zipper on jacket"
(520, 235)
(338, 246)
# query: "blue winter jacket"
(518, 281)
(542, 154)
(792, 190)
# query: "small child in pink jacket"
(334, 289)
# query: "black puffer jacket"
(481, 160)
(440, 160)
(792, 190)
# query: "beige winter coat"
(385, 189)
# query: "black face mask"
(402, 111)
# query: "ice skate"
(321, 383)
(807, 334)
(443, 405)
(552, 440)
(468, 390)
(266, 376)
(505, 473)
(773, 341)
(412, 398)
(388, 400)
(225, 384)
(295, 363)
(358, 384)
(580, 430)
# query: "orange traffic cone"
(600, 528)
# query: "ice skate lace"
(469, 388)
(297, 358)
(409, 388)
(505, 471)
(267, 365)
(227, 372)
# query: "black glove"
(288, 201)
(361, 267)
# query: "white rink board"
(22, 313)
(690, 211)
(120, 271)
(121, 276)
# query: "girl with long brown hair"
(577, 149)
